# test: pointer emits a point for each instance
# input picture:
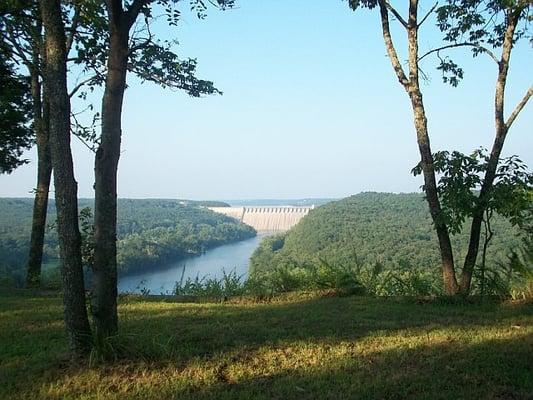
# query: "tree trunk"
(477, 220)
(412, 87)
(76, 321)
(44, 172)
(424, 147)
(430, 188)
(501, 133)
(104, 301)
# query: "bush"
(229, 285)
(354, 279)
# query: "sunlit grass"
(298, 346)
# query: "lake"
(162, 280)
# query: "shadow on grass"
(326, 347)
(495, 369)
(192, 330)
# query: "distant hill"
(279, 202)
(203, 203)
(392, 229)
(150, 232)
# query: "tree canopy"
(15, 114)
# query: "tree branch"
(19, 50)
(80, 85)
(428, 14)
(91, 148)
(396, 14)
(451, 46)
(145, 43)
(76, 124)
(133, 11)
(73, 28)
(503, 69)
(391, 51)
(139, 46)
(519, 107)
(412, 42)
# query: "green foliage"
(461, 178)
(381, 242)
(15, 114)
(374, 279)
(328, 276)
(519, 266)
(230, 285)
(480, 25)
(51, 276)
(355, 4)
(87, 236)
(149, 232)
(150, 58)
(172, 234)
(481, 22)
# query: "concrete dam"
(266, 219)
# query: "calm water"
(229, 257)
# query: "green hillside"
(390, 231)
(150, 232)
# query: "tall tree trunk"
(424, 147)
(501, 133)
(104, 302)
(412, 87)
(430, 188)
(76, 321)
(40, 208)
(44, 172)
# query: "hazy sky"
(311, 108)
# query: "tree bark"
(76, 321)
(44, 168)
(104, 300)
(502, 129)
(430, 188)
(412, 87)
(40, 206)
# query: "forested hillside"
(382, 230)
(149, 232)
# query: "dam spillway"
(266, 219)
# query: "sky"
(310, 108)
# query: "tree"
(55, 81)
(466, 12)
(411, 83)
(485, 26)
(152, 61)
(21, 28)
(461, 178)
(15, 115)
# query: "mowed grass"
(302, 346)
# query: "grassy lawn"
(298, 346)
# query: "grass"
(301, 346)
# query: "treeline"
(366, 236)
(150, 232)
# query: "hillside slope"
(394, 230)
(149, 231)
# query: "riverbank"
(150, 232)
(231, 258)
(299, 346)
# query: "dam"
(266, 219)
